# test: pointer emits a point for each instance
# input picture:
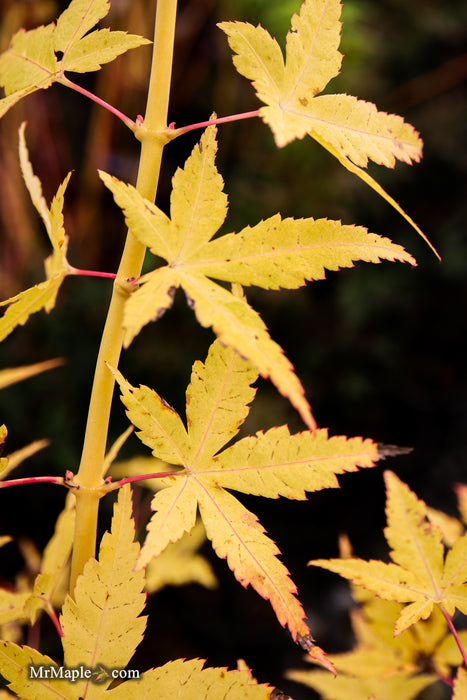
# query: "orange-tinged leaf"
(238, 537)
(217, 403)
(461, 493)
(317, 655)
(186, 680)
(102, 625)
(420, 576)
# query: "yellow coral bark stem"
(151, 135)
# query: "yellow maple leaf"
(354, 127)
(37, 58)
(15, 666)
(272, 464)
(101, 625)
(273, 254)
(180, 563)
(51, 583)
(382, 663)
(186, 680)
(44, 294)
(11, 375)
(420, 573)
(14, 459)
(460, 685)
(353, 130)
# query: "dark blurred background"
(380, 349)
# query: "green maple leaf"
(270, 464)
(37, 58)
(353, 130)
(276, 253)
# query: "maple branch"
(77, 88)
(89, 477)
(454, 634)
(33, 480)
(220, 120)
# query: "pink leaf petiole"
(123, 117)
(91, 273)
(33, 480)
(112, 486)
(201, 125)
(455, 635)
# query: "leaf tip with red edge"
(316, 653)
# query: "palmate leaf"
(32, 63)
(379, 658)
(460, 684)
(44, 294)
(15, 663)
(186, 680)
(353, 130)
(50, 584)
(271, 464)
(402, 686)
(181, 563)
(420, 574)
(352, 126)
(273, 254)
(102, 625)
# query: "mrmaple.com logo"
(81, 673)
